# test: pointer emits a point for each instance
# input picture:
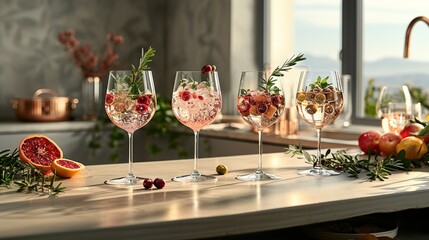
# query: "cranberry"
(207, 69)
(109, 99)
(201, 97)
(262, 108)
(144, 99)
(147, 183)
(142, 108)
(185, 95)
(159, 183)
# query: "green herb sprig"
(269, 84)
(135, 81)
(354, 165)
(26, 177)
(320, 83)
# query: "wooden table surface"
(89, 209)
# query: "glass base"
(318, 172)
(195, 177)
(257, 176)
(125, 181)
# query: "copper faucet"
(408, 33)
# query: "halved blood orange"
(66, 168)
(39, 151)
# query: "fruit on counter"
(411, 129)
(39, 151)
(387, 143)
(414, 147)
(159, 183)
(208, 68)
(221, 169)
(66, 168)
(147, 183)
(369, 141)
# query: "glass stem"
(130, 154)
(260, 152)
(319, 159)
(196, 136)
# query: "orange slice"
(66, 168)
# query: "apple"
(368, 141)
(411, 129)
(388, 142)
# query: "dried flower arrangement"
(85, 58)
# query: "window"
(374, 36)
(317, 32)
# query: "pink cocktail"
(196, 102)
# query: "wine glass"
(130, 104)
(394, 108)
(260, 103)
(196, 102)
(319, 101)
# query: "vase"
(91, 98)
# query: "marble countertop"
(89, 209)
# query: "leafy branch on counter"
(354, 165)
(26, 177)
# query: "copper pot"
(48, 108)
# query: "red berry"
(262, 108)
(147, 183)
(207, 69)
(144, 99)
(109, 99)
(141, 108)
(249, 98)
(159, 183)
(201, 97)
(244, 106)
(185, 95)
(275, 100)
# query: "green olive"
(221, 169)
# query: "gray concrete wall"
(186, 34)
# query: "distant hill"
(388, 71)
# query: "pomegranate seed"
(185, 95)
(109, 99)
(142, 108)
(144, 99)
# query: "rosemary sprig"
(26, 177)
(135, 81)
(354, 165)
(269, 84)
